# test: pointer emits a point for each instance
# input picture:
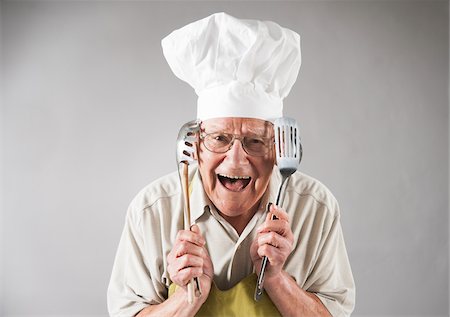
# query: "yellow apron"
(237, 301)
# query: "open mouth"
(234, 183)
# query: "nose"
(236, 153)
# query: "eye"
(254, 141)
(220, 138)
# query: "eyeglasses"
(220, 142)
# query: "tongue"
(234, 185)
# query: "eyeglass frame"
(241, 138)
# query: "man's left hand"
(275, 240)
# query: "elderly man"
(241, 70)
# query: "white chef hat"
(238, 68)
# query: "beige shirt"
(318, 263)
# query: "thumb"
(195, 228)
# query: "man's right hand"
(188, 259)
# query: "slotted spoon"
(187, 137)
(289, 152)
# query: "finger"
(208, 268)
(278, 212)
(190, 236)
(282, 227)
(188, 260)
(275, 240)
(272, 225)
(182, 248)
(196, 229)
(269, 214)
(275, 255)
(185, 260)
(182, 263)
(182, 277)
(185, 247)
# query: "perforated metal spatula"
(289, 152)
(187, 137)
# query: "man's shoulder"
(309, 187)
(165, 187)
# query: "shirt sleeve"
(133, 286)
(331, 279)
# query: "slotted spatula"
(289, 152)
(187, 137)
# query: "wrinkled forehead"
(239, 126)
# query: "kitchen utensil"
(187, 137)
(289, 152)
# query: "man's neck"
(240, 222)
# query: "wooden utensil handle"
(187, 208)
(187, 222)
(187, 226)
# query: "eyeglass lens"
(222, 142)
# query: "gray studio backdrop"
(91, 111)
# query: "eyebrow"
(260, 132)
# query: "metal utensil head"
(288, 148)
(186, 141)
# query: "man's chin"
(232, 203)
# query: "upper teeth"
(234, 177)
